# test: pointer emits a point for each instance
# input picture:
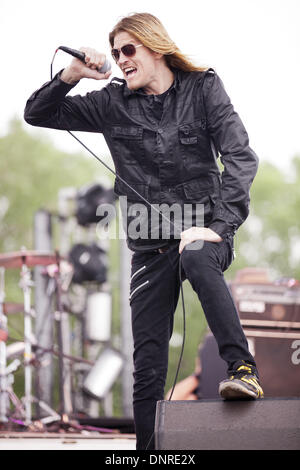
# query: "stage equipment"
(57, 273)
(18, 259)
(24, 260)
(270, 315)
(89, 263)
(10, 308)
(88, 199)
(98, 319)
(268, 424)
(104, 373)
(43, 303)
(3, 339)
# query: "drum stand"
(26, 283)
(23, 406)
(6, 377)
(24, 260)
(3, 375)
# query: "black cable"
(154, 208)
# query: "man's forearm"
(68, 76)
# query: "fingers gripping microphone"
(81, 56)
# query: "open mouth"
(130, 71)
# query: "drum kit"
(23, 260)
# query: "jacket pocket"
(128, 144)
(192, 141)
(189, 133)
(127, 133)
(121, 189)
(200, 192)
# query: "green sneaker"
(242, 384)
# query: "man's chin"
(132, 86)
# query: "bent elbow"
(30, 117)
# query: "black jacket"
(173, 160)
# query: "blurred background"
(48, 181)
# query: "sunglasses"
(128, 50)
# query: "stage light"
(104, 373)
(89, 263)
(98, 317)
(87, 201)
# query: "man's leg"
(154, 295)
(204, 269)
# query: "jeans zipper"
(137, 288)
(138, 271)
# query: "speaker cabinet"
(268, 424)
(277, 355)
(270, 316)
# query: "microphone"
(81, 56)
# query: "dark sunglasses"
(128, 50)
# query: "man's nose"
(122, 59)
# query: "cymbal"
(30, 258)
(12, 307)
(3, 335)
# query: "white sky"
(254, 45)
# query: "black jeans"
(155, 287)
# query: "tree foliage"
(270, 237)
(32, 172)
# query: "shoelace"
(242, 371)
(246, 374)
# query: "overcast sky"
(254, 45)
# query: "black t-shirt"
(158, 104)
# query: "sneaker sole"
(235, 391)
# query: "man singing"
(166, 123)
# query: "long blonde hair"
(151, 33)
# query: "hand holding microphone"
(87, 63)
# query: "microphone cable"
(166, 218)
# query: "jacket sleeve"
(231, 142)
(50, 107)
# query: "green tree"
(32, 172)
(270, 237)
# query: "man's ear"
(157, 55)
